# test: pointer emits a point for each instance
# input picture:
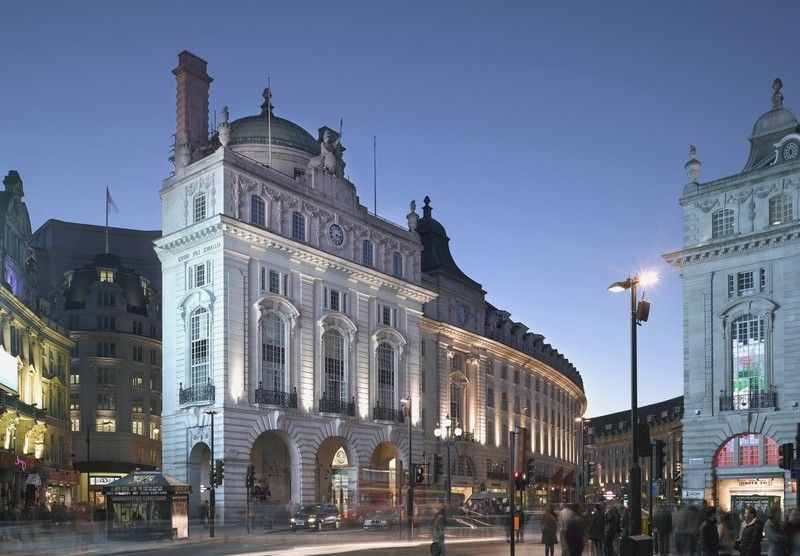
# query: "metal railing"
(276, 397)
(196, 393)
(342, 407)
(751, 400)
(388, 414)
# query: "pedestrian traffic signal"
(786, 451)
(591, 470)
(519, 480)
(659, 459)
(220, 474)
(437, 467)
(420, 474)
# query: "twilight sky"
(550, 136)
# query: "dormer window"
(106, 275)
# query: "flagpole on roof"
(269, 120)
(108, 196)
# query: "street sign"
(203, 488)
(655, 490)
(691, 494)
(796, 469)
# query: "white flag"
(110, 202)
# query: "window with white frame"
(334, 299)
(199, 274)
(199, 347)
(137, 427)
(397, 264)
(137, 380)
(274, 281)
(76, 424)
(748, 359)
(200, 207)
(457, 403)
(745, 283)
(367, 253)
(780, 209)
(107, 401)
(386, 360)
(106, 274)
(335, 378)
(722, 223)
(387, 316)
(155, 431)
(273, 352)
(258, 211)
(298, 226)
(103, 424)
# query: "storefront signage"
(609, 495)
(9, 374)
(62, 477)
(691, 494)
(766, 482)
(101, 480)
(17, 462)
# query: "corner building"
(288, 310)
(740, 265)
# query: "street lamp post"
(448, 434)
(639, 313)
(411, 475)
(584, 464)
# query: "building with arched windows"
(740, 264)
(291, 316)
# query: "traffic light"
(420, 474)
(250, 477)
(786, 451)
(520, 480)
(591, 470)
(220, 472)
(437, 467)
(659, 459)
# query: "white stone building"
(740, 265)
(287, 308)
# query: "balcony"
(276, 397)
(197, 393)
(497, 475)
(388, 414)
(12, 401)
(759, 399)
(342, 407)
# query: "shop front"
(59, 486)
(20, 483)
(761, 492)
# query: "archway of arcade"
(199, 473)
(382, 483)
(272, 463)
(337, 474)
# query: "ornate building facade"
(740, 265)
(607, 456)
(490, 374)
(35, 463)
(292, 316)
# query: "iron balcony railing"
(760, 399)
(342, 407)
(387, 414)
(196, 393)
(276, 397)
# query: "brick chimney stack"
(193, 83)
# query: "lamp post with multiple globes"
(448, 431)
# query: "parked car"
(384, 518)
(316, 516)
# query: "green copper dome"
(256, 129)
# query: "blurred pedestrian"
(686, 530)
(775, 533)
(437, 532)
(611, 530)
(727, 534)
(753, 531)
(662, 527)
(564, 514)
(549, 531)
(573, 532)
(709, 536)
(793, 531)
(596, 526)
(521, 530)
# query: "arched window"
(335, 377)
(397, 264)
(367, 253)
(258, 211)
(273, 352)
(722, 223)
(298, 226)
(746, 450)
(200, 207)
(457, 403)
(748, 361)
(386, 359)
(199, 348)
(780, 209)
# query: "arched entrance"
(381, 484)
(337, 477)
(199, 472)
(273, 469)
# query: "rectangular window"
(74, 401)
(258, 212)
(397, 264)
(106, 299)
(503, 401)
(490, 433)
(137, 380)
(200, 274)
(107, 401)
(516, 404)
(137, 405)
(490, 368)
(106, 349)
(516, 376)
(155, 381)
(105, 425)
(745, 284)
(136, 327)
(199, 208)
(74, 378)
(387, 316)
(504, 371)
(154, 407)
(422, 347)
(106, 323)
(155, 430)
(137, 427)
(136, 353)
(730, 285)
(490, 397)
(334, 299)
(274, 281)
(106, 376)
(298, 226)
(106, 275)
(153, 357)
(76, 425)
(527, 381)
(762, 280)
(367, 253)
(76, 350)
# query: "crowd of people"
(687, 530)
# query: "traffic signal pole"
(512, 487)
(797, 485)
(212, 492)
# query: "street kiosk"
(146, 505)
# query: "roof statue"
(412, 216)
(225, 114)
(330, 155)
(777, 97)
(224, 128)
(693, 166)
(267, 106)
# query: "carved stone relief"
(205, 184)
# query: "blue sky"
(550, 136)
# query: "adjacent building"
(607, 456)
(740, 265)
(35, 463)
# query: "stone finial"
(266, 106)
(426, 208)
(777, 97)
(412, 217)
(225, 115)
(693, 165)
(224, 129)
